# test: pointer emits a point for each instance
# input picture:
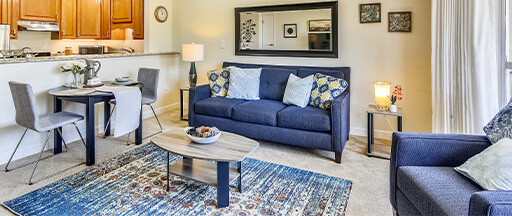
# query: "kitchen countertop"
(79, 57)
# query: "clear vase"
(76, 80)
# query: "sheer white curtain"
(468, 77)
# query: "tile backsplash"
(41, 41)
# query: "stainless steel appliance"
(89, 50)
(38, 26)
(5, 39)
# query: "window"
(508, 42)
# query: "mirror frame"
(333, 5)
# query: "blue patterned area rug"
(134, 184)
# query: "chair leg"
(154, 113)
(63, 141)
(109, 120)
(128, 139)
(22, 136)
(40, 154)
(80, 134)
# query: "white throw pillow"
(298, 91)
(491, 168)
(244, 83)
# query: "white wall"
(371, 52)
(48, 75)
(157, 36)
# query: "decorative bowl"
(200, 140)
(122, 79)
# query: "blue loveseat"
(269, 119)
(423, 181)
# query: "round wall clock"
(161, 14)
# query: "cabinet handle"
(14, 31)
(133, 34)
(63, 32)
(57, 15)
(108, 34)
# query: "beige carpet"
(370, 176)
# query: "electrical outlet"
(223, 44)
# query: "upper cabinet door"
(68, 19)
(89, 19)
(105, 20)
(138, 19)
(39, 10)
(122, 11)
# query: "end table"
(182, 117)
(373, 110)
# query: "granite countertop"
(79, 57)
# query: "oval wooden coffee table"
(228, 148)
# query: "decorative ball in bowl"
(203, 135)
(123, 79)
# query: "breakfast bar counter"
(80, 57)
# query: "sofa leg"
(337, 157)
(395, 213)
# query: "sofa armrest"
(420, 149)
(196, 94)
(340, 121)
(491, 203)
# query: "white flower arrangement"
(75, 67)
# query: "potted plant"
(395, 97)
(77, 69)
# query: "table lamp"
(382, 93)
(193, 53)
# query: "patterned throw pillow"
(325, 90)
(501, 125)
(219, 82)
(244, 83)
(491, 168)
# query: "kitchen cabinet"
(122, 11)
(39, 10)
(68, 19)
(89, 19)
(138, 19)
(106, 20)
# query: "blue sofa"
(269, 119)
(423, 181)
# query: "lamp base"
(192, 75)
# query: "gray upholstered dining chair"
(27, 116)
(149, 79)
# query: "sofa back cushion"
(274, 77)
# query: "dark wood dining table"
(89, 100)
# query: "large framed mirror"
(294, 30)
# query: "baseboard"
(379, 134)
(159, 110)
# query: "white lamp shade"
(193, 52)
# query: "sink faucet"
(129, 50)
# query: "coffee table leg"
(168, 155)
(240, 179)
(222, 184)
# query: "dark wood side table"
(373, 110)
(182, 117)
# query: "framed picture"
(400, 22)
(290, 30)
(369, 13)
(319, 25)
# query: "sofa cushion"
(304, 72)
(259, 112)
(308, 118)
(325, 89)
(298, 91)
(216, 106)
(273, 82)
(436, 190)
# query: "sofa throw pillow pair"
(234, 82)
(318, 90)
